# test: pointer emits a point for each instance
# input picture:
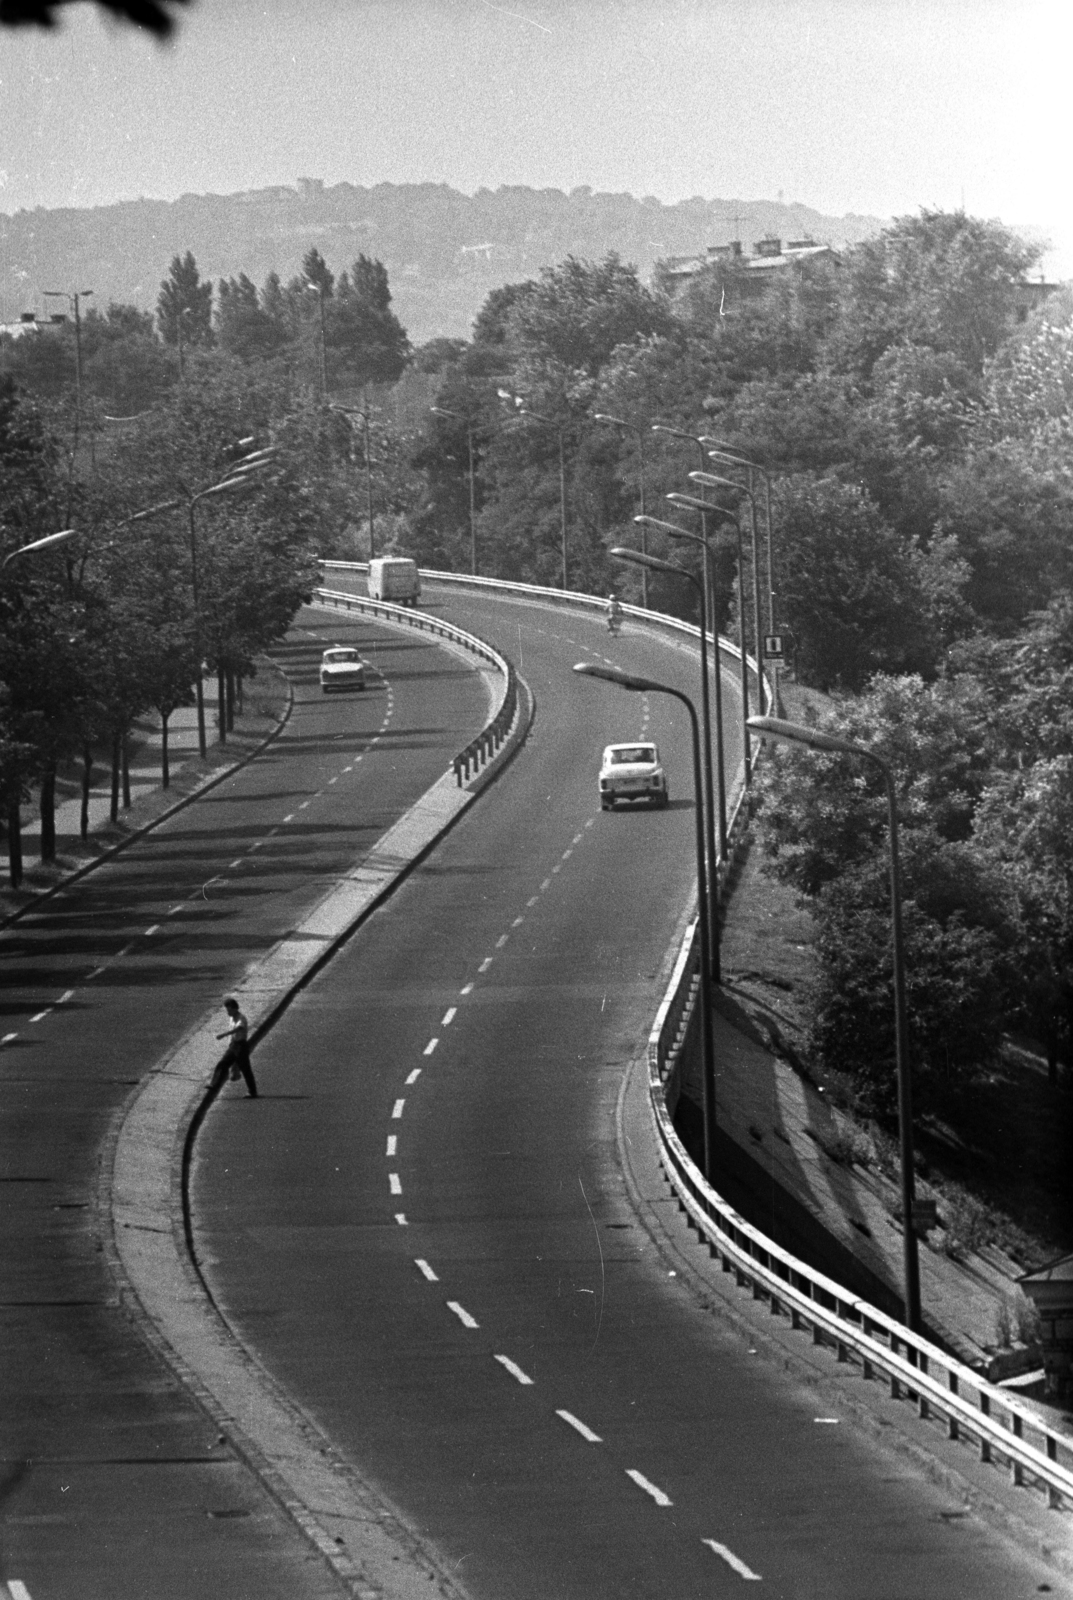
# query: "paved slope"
(426, 1237)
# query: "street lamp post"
(692, 438)
(74, 300)
(722, 451)
(691, 503)
(440, 410)
(639, 434)
(657, 565)
(38, 544)
(626, 680)
(813, 739)
(318, 290)
(362, 411)
(714, 480)
(745, 737)
(238, 476)
(524, 411)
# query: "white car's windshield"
(332, 656)
(633, 755)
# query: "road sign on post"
(774, 647)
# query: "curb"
(144, 1221)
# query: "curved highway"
(112, 1481)
(424, 1232)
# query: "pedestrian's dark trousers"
(236, 1057)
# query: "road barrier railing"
(1004, 1429)
(488, 742)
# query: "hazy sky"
(874, 106)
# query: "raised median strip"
(142, 1202)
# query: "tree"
(244, 326)
(367, 341)
(184, 306)
(942, 279)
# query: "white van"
(394, 578)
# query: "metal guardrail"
(481, 749)
(1002, 1428)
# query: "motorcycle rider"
(614, 614)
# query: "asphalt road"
(113, 1482)
(423, 1230)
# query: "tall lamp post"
(38, 544)
(690, 503)
(714, 480)
(732, 516)
(639, 434)
(793, 733)
(550, 422)
(472, 431)
(73, 301)
(591, 669)
(656, 564)
(698, 440)
(363, 412)
(723, 452)
(238, 476)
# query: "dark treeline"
(910, 400)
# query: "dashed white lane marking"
(642, 1482)
(127, 948)
(8, 1038)
(501, 941)
(304, 804)
(517, 922)
(431, 1046)
(394, 1183)
(41, 1015)
(545, 885)
(333, 780)
(558, 867)
(532, 902)
(289, 818)
(236, 863)
(396, 1110)
(826, 1419)
(485, 964)
(513, 1368)
(578, 837)
(466, 989)
(590, 822)
(173, 910)
(567, 854)
(392, 1144)
(400, 1218)
(425, 1270)
(732, 1561)
(256, 845)
(68, 994)
(449, 1016)
(150, 931)
(577, 1424)
(462, 1314)
(94, 974)
(17, 1589)
(415, 1074)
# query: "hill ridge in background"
(444, 250)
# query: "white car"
(341, 668)
(632, 772)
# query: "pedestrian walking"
(235, 1061)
